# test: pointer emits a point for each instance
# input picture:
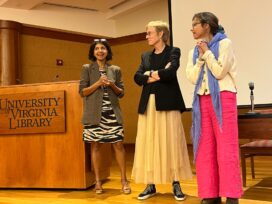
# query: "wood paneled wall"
(40, 48)
(9, 52)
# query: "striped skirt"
(108, 130)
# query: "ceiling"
(109, 7)
(111, 18)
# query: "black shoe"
(178, 195)
(211, 201)
(232, 201)
(149, 191)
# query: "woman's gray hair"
(160, 26)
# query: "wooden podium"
(258, 129)
(32, 156)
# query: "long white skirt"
(161, 154)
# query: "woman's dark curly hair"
(92, 47)
(211, 19)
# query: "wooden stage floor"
(259, 190)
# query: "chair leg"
(243, 164)
(252, 166)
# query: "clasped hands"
(202, 46)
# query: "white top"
(223, 69)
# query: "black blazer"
(167, 92)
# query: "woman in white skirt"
(161, 154)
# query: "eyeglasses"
(148, 33)
(195, 24)
(100, 40)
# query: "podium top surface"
(39, 84)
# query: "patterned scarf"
(214, 91)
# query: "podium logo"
(32, 112)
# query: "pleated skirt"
(161, 154)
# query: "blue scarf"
(214, 92)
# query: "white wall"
(136, 21)
(248, 24)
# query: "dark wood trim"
(54, 34)
(170, 21)
(128, 39)
(61, 35)
(12, 25)
(254, 116)
(268, 105)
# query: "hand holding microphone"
(104, 81)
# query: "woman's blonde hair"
(160, 26)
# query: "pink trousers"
(217, 161)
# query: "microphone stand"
(252, 101)
(252, 112)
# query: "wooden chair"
(257, 128)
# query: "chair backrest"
(255, 126)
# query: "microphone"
(251, 87)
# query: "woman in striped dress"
(100, 86)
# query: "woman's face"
(100, 52)
(199, 31)
(152, 36)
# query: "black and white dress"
(108, 130)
